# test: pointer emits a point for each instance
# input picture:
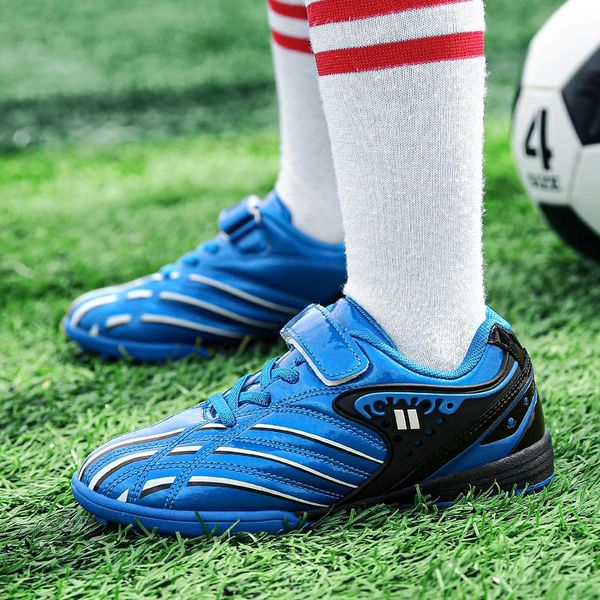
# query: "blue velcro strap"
(233, 218)
(326, 345)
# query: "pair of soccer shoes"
(341, 420)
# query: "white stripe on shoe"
(317, 438)
(199, 480)
(174, 297)
(85, 308)
(138, 294)
(115, 465)
(182, 450)
(103, 291)
(186, 324)
(282, 460)
(155, 485)
(241, 294)
(116, 320)
(128, 442)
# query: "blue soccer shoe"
(247, 282)
(342, 420)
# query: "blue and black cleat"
(341, 420)
(247, 282)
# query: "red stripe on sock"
(292, 11)
(397, 54)
(292, 43)
(322, 12)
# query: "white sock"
(306, 182)
(403, 83)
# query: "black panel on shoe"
(416, 454)
(536, 429)
(513, 419)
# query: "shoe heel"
(526, 470)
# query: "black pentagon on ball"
(582, 99)
(573, 230)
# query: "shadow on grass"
(550, 287)
(106, 118)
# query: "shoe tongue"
(329, 340)
(352, 317)
(272, 205)
(252, 239)
(244, 232)
(355, 317)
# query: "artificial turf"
(80, 209)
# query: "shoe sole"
(533, 465)
(108, 348)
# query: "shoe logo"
(407, 419)
(377, 404)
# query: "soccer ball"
(556, 124)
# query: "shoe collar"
(331, 339)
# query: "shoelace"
(192, 258)
(226, 404)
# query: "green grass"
(78, 218)
(78, 211)
(120, 70)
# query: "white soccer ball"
(556, 126)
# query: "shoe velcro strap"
(326, 345)
(232, 219)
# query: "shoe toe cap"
(96, 313)
(127, 462)
(113, 312)
(145, 312)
